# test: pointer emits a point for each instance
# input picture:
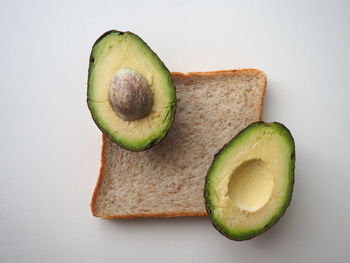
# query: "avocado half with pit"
(130, 93)
(250, 182)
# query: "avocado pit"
(250, 186)
(130, 95)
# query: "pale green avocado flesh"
(111, 53)
(250, 182)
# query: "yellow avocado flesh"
(112, 53)
(251, 185)
(250, 181)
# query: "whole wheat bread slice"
(168, 179)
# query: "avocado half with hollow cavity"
(130, 93)
(250, 182)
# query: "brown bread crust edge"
(165, 214)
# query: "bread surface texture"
(168, 179)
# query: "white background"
(50, 147)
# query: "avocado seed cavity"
(251, 185)
(130, 95)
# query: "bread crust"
(99, 179)
(165, 214)
(216, 72)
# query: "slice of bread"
(168, 179)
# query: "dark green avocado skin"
(209, 206)
(171, 113)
